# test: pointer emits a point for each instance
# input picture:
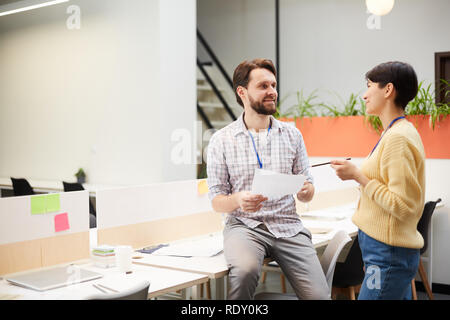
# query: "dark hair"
(401, 75)
(242, 73)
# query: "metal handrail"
(216, 91)
(204, 117)
(214, 58)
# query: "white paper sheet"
(276, 185)
(205, 247)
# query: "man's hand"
(306, 193)
(249, 202)
(346, 170)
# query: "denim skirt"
(388, 270)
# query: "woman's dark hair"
(241, 75)
(401, 75)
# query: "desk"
(216, 267)
(162, 281)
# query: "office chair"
(349, 275)
(21, 187)
(327, 261)
(68, 187)
(422, 227)
(137, 292)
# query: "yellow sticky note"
(52, 202)
(202, 187)
(38, 205)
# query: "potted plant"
(345, 130)
(81, 176)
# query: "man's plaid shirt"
(231, 163)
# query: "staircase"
(216, 102)
(210, 108)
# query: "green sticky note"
(52, 202)
(38, 205)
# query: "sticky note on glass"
(38, 205)
(202, 187)
(52, 202)
(61, 222)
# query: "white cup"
(123, 258)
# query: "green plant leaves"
(423, 104)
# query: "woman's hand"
(346, 170)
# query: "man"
(256, 226)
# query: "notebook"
(42, 280)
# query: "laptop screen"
(42, 280)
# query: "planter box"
(353, 137)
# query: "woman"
(392, 187)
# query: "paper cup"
(123, 258)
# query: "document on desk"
(333, 213)
(276, 185)
(204, 247)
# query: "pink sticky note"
(61, 222)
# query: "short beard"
(261, 109)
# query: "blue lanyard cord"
(254, 146)
(390, 125)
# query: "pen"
(105, 287)
(322, 164)
(319, 164)
(98, 288)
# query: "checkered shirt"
(231, 164)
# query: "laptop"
(42, 280)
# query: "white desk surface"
(162, 281)
(216, 267)
(52, 186)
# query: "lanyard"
(390, 125)
(254, 146)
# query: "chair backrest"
(21, 187)
(424, 222)
(331, 254)
(68, 186)
(350, 272)
(137, 292)
(75, 186)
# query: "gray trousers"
(245, 249)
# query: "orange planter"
(436, 142)
(353, 137)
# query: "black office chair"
(349, 275)
(68, 187)
(422, 227)
(21, 187)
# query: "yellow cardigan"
(391, 204)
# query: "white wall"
(178, 84)
(96, 97)
(325, 44)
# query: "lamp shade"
(379, 7)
